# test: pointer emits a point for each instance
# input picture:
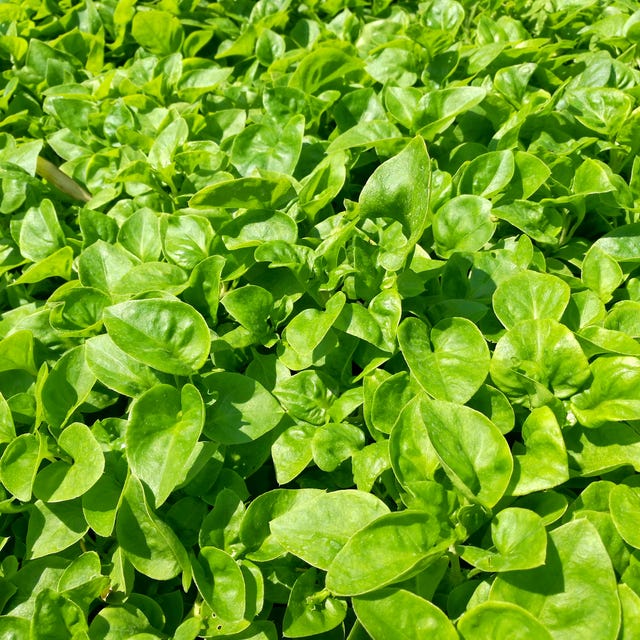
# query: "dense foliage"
(335, 331)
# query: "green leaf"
(310, 610)
(271, 192)
(623, 503)
(255, 532)
(601, 273)
(500, 620)
(40, 232)
(54, 527)
(438, 109)
(16, 352)
(614, 393)
(413, 457)
(140, 235)
(306, 331)
(333, 443)
(60, 480)
(221, 584)
(530, 295)
(102, 266)
(539, 223)
(389, 549)
(451, 362)
(55, 615)
(19, 465)
(121, 621)
(117, 370)
(251, 306)
(463, 223)
(487, 174)
(240, 409)
(400, 613)
(399, 189)
(269, 147)
(291, 452)
(157, 31)
(167, 335)
(316, 530)
(574, 592)
(471, 449)
(186, 239)
(621, 243)
(148, 543)
(520, 542)
(535, 353)
(7, 426)
(323, 68)
(389, 400)
(164, 426)
(544, 463)
(66, 387)
(630, 603)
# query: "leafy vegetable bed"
(343, 339)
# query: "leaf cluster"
(324, 321)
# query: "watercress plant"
(319, 319)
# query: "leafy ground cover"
(334, 331)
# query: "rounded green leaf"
(473, 452)
(316, 530)
(396, 613)
(544, 464)
(413, 458)
(389, 399)
(157, 31)
(451, 362)
(614, 394)
(487, 174)
(310, 610)
(221, 584)
(255, 531)
(520, 542)
(268, 146)
(242, 409)
(385, 551)
(625, 317)
(463, 223)
(251, 307)
(624, 504)
(529, 295)
(164, 426)
(56, 616)
(291, 452)
(399, 188)
(148, 543)
(333, 443)
(494, 404)
(167, 335)
(601, 273)
(66, 387)
(102, 266)
(574, 593)
(63, 481)
(116, 369)
(152, 276)
(630, 602)
(54, 527)
(19, 465)
(539, 352)
(271, 192)
(496, 620)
